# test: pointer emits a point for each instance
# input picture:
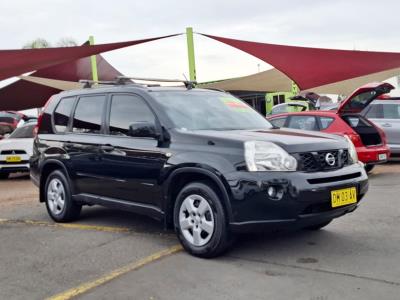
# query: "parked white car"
(16, 150)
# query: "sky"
(329, 24)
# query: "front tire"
(59, 203)
(200, 221)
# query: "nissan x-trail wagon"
(201, 161)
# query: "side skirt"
(139, 208)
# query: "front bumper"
(306, 197)
(14, 168)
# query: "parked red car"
(369, 140)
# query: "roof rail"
(124, 79)
(89, 83)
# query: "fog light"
(271, 191)
(275, 192)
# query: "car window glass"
(88, 114)
(375, 112)
(325, 122)
(24, 132)
(62, 113)
(126, 110)
(278, 122)
(391, 111)
(303, 122)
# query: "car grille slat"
(316, 161)
(12, 152)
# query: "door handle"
(107, 148)
(386, 125)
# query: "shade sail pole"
(93, 61)
(191, 57)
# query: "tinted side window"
(62, 113)
(325, 122)
(375, 112)
(128, 109)
(391, 111)
(303, 122)
(88, 114)
(278, 122)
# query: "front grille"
(317, 161)
(12, 152)
(22, 162)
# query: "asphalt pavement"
(109, 254)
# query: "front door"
(131, 165)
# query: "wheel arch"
(185, 175)
(46, 169)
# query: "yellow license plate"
(343, 197)
(13, 159)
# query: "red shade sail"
(24, 94)
(313, 67)
(16, 62)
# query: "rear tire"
(4, 176)
(318, 226)
(59, 203)
(369, 168)
(200, 221)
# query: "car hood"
(363, 96)
(291, 140)
(17, 144)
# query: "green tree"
(37, 43)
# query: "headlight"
(266, 156)
(352, 150)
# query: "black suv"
(201, 161)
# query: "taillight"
(356, 139)
(40, 117)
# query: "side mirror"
(143, 129)
(6, 135)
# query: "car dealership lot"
(110, 254)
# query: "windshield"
(23, 132)
(194, 110)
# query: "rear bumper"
(306, 198)
(370, 155)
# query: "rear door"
(387, 116)
(83, 142)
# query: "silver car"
(386, 114)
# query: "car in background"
(11, 117)
(16, 150)
(386, 114)
(5, 130)
(289, 107)
(369, 140)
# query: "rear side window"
(375, 112)
(303, 123)
(278, 122)
(325, 122)
(88, 114)
(62, 113)
(126, 110)
(391, 111)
